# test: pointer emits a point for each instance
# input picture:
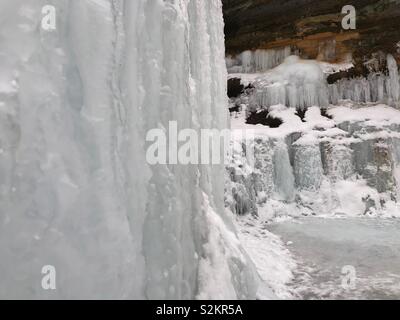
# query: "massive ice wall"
(76, 191)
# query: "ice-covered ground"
(325, 258)
(273, 261)
(342, 258)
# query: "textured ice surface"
(322, 247)
(76, 191)
(273, 261)
(378, 87)
(257, 61)
(393, 83)
(345, 165)
(301, 83)
(295, 83)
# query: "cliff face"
(313, 27)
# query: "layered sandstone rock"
(313, 28)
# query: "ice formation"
(296, 83)
(345, 165)
(257, 61)
(393, 83)
(378, 87)
(76, 190)
(341, 161)
(301, 84)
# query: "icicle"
(295, 83)
(284, 181)
(257, 61)
(393, 81)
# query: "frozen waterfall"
(393, 83)
(257, 61)
(377, 87)
(345, 165)
(302, 83)
(76, 191)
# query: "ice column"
(76, 191)
(394, 80)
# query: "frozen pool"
(323, 247)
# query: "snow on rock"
(295, 83)
(257, 61)
(273, 261)
(300, 84)
(310, 167)
(76, 191)
(330, 68)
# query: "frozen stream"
(322, 247)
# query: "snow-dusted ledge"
(347, 165)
